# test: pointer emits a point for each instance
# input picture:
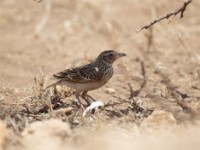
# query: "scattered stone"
(110, 91)
(159, 120)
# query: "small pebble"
(110, 90)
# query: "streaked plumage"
(89, 77)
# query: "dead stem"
(181, 10)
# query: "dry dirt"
(153, 98)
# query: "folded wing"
(83, 74)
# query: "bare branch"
(137, 92)
(178, 96)
(181, 10)
(44, 19)
(39, 1)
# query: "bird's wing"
(87, 73)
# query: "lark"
(88, 77)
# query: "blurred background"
(160, 74)
(55, 35)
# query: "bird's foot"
(93, 106)
(88, 99)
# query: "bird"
(90, 76)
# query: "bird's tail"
(50, 82)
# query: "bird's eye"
(110, 55)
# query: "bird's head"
(109, 56)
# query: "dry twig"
(179, 97)
(137, 92)
(38, 1)
(181, 10)
(44, 19)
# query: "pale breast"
(80, 87)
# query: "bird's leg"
(92, 103)
(90, 97)
(87, 98)
(80, 101)
(78, 98)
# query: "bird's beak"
(121, 55)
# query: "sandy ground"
(160, 74)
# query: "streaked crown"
(109, 56)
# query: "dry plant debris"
(154, 95)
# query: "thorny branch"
(181, 10)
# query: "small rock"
(110, 91)
(52, 133)
(4, 136)
(159, 120)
